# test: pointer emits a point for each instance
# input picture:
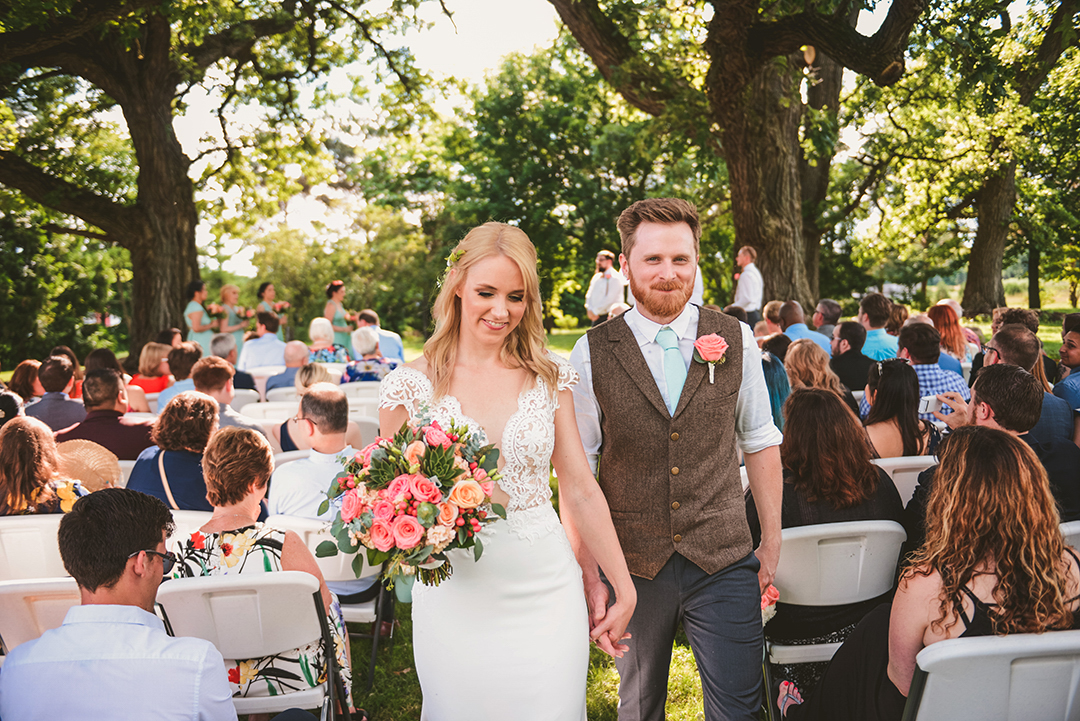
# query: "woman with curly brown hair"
(30, 480)
(994, 562)
(172, 468)
(807, 366)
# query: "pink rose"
(448, 513)
(382, 537)
(770, 596)
(434, 436)
(351, 506)
(398, 487)
(424, 490)
(382, 510)
(711, 347)
(407, 532)
(364, 456)
(480, 475)
(489, 488)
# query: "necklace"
(246, 517)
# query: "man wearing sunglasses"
(111, 658)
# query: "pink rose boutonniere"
(710, 349)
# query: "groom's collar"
(645, 330)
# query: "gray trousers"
(721, 614)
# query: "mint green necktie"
(674, 366)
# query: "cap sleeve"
(567, 375)
(404, 386)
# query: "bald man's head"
(296, 354)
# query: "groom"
(665, 433)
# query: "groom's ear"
(623, 262)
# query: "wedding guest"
(200, 325)
(953, 341)
(945, 361)
(897, 318)
(182, 359)
(776, 380)
(153, 375)
(171, 337)
(372, 366)
(771, 316)
(735, 312)
(30, 480)
(970, 334)
(103, 358)
(106, 403)
(795, 328)
(25, 383)
(55, 408)
(214, 377)
(1069, 387)
(389, 342)
(1016, 345)
(874, 312)
(324, 347)
(848, 361)
(11, 405)
(223, 346)
(77, 371)
(296, 357)
(807, 366)
(826, 316)
(308, 376)
(777, 344)
(893, 425)
(264, 349)
(828, 478)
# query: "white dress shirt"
(754, 427)
(114, 662)
(266, 350)
(605, 290)
(750, 289)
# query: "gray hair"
(321, 329)
(222, 344)
(365, 340)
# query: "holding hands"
(607, 626)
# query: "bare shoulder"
(421, 365)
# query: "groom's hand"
(768, 554)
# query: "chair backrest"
(136, 416)
(369, 427)
(904, 472)
(336, 369)
(289, 456)
(244, 397)
(28, 547)
(834, 563)
(965, 370)
(187, 522)
(994, 678)
(313, 532)
(361, 407)
(29, 608)
(280, 411)
(1071, 532)
(244, 615)
(282, 395)
(858, 395)
(265, 371)
(125, 472)
(362, 389)
(151, 400)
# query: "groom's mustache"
(667, 285)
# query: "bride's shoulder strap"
(404, 386)
(567, 375)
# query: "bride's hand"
(596, 596)
(611, 631)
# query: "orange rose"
(466, 494)
(414, 453)
(448, 513)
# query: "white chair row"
(905, 471)
(358, 389)
(284, 410)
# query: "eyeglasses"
(987, 349)
(297, 419)
(168, 559)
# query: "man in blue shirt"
(266, 349)
(296, 357)
(390, 344)
(920, 344)
(874, 311)
(1068, 389)
(55, 409)
(182, 359)
(1016, 345)
(793, 323)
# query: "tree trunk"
(984, 291)
(1034, 300)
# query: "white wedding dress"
(505, 637)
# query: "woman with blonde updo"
(807, 366)
(487, 366)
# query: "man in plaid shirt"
(920, 344)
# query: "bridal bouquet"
(410, 499)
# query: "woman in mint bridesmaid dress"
(335, 313)
(200, 325)
(234, 323)
(266, 296)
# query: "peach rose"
(434, 436)
(382, 510)
(382, 537)
(351, 506)
(448, 513)
(407, 531)
(466, 494)
(424, 490)
(711, 347)
(397, 488)
(414, 453)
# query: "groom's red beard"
(660, 304)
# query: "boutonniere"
(710, 349)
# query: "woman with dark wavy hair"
(993, 563)
(893, 424)
(828, 478)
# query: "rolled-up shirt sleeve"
(754, 427)
(586, 408)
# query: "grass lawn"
(561, 342)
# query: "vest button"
(675, 505)
(675, 471)
(674, 436)
(677, 538)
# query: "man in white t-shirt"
(751, 288)
(605, 288)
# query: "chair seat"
(359, 612)
(782, 654)
(311, 698)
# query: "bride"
(508, 636)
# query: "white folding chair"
(360, 407)
(1071, 532)
(904, 472)
(28, 547)
(336, 369)
(282, 395)
(281, 459)
(244, 397)
(187, 522)
(965, 370)
(340, 568)
(125, 472)
(369, 427)
(151, 400)
(998, 678)
(278, 411)
(29, 608)
(362, 389)
(251, 616)
(141, 416)
(858, 395)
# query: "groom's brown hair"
(666, 211)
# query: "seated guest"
(265, 349)
(172, 468)
(182, 359)
(828, 478)
(874, 312)
(153, 375)
(372, 366)
(735, 312)
(826, 316)
(101, 358)
(238, 464)
(30, 480)
(105, 423)
(171, 337)
(994, 563)
(893, 424)
(771, 315)
(897, 318)
(55, 409)
(307, 377)
(946, 361)
(1015, 345)
(794, 324)
(953, 341)
(10, 407)
(112, 651)
(1069, 388)
(214, 377)
(776, 381)
(323, 349)
(24, 382)
(776, 344)
(394, 349)
(848, 361)
(223, 345)
(970, 335)
(920, 344)
(1030, 320)
(977, 360)
(296, 357)
(77, 372)
(807, 366)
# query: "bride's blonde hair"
(526, 346)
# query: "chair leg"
(770, 701)
(380, 614)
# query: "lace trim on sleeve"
(567, 375)
(404, 386)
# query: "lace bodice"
(527, 440)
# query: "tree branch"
(1031, 77)
(53, 228)
(70, 25)
(236, 42)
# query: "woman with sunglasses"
(237, 465)
(893, 426)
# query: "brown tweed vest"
(672, 483)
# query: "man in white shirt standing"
(111, 658)
(605, 288)
(751, 287)
(667, 427)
